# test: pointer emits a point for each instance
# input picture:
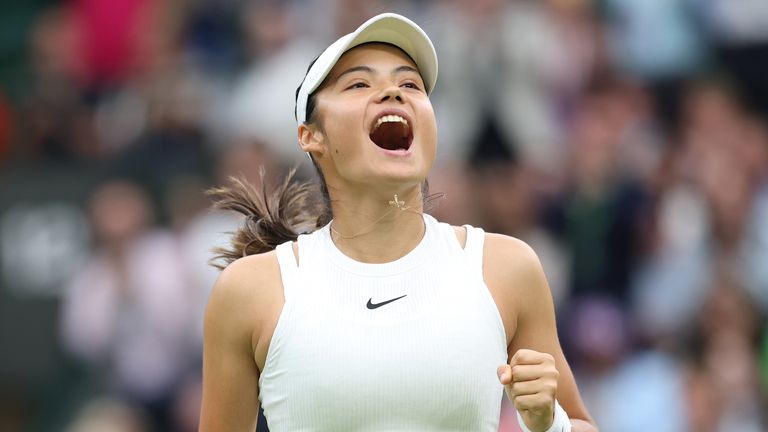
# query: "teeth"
(390, 119)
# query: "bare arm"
(516, 272)
(233, 321)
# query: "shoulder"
(514, 253)
(249, 276)
(243, 291)
(514, 270)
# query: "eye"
(357, 85)
(411, 85)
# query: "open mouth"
(392, 132)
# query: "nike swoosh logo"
(371, 305)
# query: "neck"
(376, 227)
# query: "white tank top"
(409, 345)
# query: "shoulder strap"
(473, 249)
(289, 271)
(446, 233)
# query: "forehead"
(371, 54)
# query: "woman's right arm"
(230, 399)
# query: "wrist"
(561, 422)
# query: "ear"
(311, 139)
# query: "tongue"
(391, 136)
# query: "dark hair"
(294, 208)
(271, 218)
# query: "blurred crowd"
(625, 140)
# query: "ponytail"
(274, 218)
(270, 218)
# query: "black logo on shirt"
(371, 305)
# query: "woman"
(381, 318)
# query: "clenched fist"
(530, 380)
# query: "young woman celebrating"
(369, 315)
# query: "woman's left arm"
(537, 374)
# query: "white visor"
(387, 28)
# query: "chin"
(399, 177)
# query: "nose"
(392, 92)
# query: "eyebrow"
(367, 69)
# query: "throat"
(386, 241)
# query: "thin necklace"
(393, 204)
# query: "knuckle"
(522, 402)
(551, 387)
(522, 354)
(544, 401)
(516, 371)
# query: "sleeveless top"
(408, 345)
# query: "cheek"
(345, 140)
(339, 129)
(429, 127)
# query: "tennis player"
(367, 314)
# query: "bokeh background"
(625, 140)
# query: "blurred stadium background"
(625, 140)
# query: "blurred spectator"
(57, 122)
(653, 39)
(109, 39)
(657, 42)
(212, 36)
(107, 415)
(599, 214)
(173, 141)
(515, 61)
(739, 32)
(605, 367)
(706, 210)
(263, 97)
(727, 336)
(669, 285)
(128, 312)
